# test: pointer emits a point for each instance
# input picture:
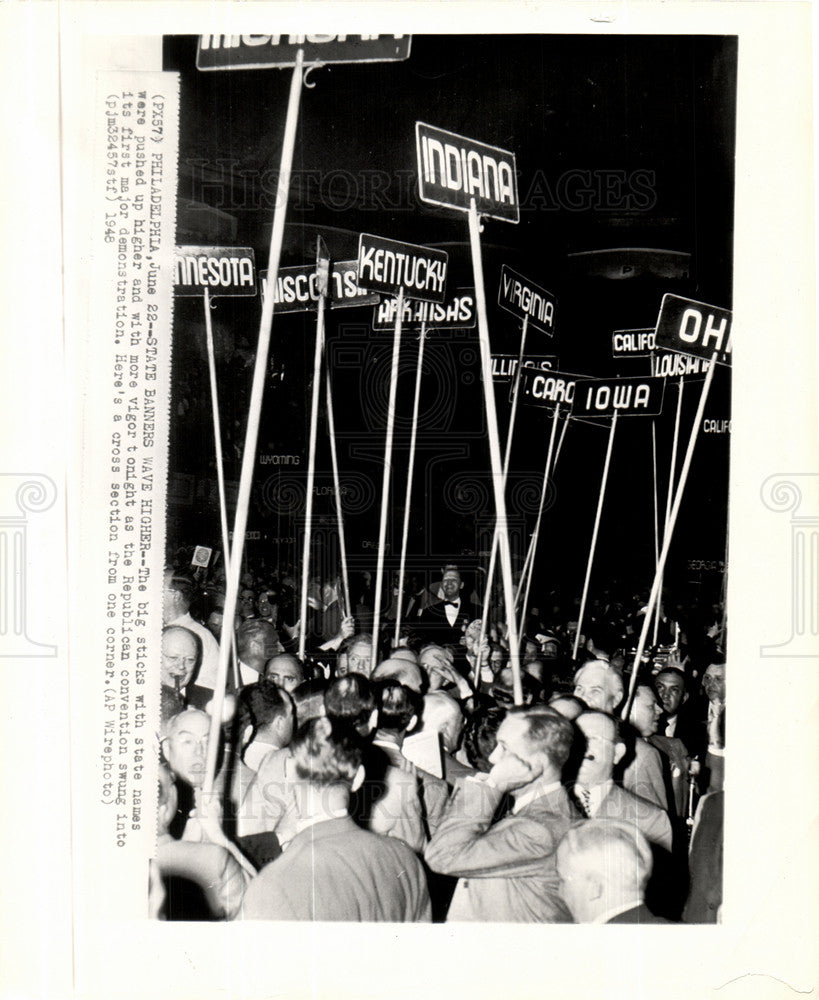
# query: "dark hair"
(251, 630)
(308, 698)
(350, 699)
(672, 670)
(481, 736)
(547, 732)
(260, 704)
(183, 585)
(396, 705)
(327, 752)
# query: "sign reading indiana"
(389, 266)
(456, 313)
(628, 397)
(279, 51)
(523, 298)
(691, 327)
(222, 270)
(297, 288)
(452, 170)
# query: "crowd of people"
(403, 783)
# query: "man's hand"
(510, 773)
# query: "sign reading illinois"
(523, 298)
(690, 327)
(389, 266)
(629, 397)
(222, 270)
(453, 169)
(504, 365)
(279, 51)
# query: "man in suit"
(506, 870)
(604, 866)
(595, 790)
(177, 597)
(713, 684)
(333, 870)
(444, 621)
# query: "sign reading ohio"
(453, 169)
(266, 51)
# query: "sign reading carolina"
(264, 51)
(629, 397)
(523, 298)
(453, 169)
(504, 365)
(457, 313)
(297, 288)
(547, 388)
(388, 266)
(222, 270)
(690, 327)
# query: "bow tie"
(452, 604)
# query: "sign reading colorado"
(220, 270)
(266, 51)
(452, 170)
(388, 266)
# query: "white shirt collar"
(532, 793)
(255, 753)
(615, 911)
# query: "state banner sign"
(279, 51)
(547, 389)
(297, 288)
(220, 270)
(453, 169)
(455, 313)
(690, 327)
(389, 266)
(504, 365)
(633, 343)
(628, 397)
(523, 298)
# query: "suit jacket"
(433, 624)
(649, 819)
(705, 861)
(334, 870)
(506, 870)
(644, 775)
(690, 727)
(637, 915)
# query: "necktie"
(451, 604)
(583, 800)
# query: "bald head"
(285, 671)
(179, 656)
(185, 745)
(402, 653)
(406, 673)
(443, 715)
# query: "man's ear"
(619, 751)
(412, 723)
(373, 721)
(247, 734)
(358, 780)
(594, 887)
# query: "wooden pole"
(493, 555)
(543, 490)
(670, 493)
(254, 416)
(594, 536)
(220, 469)
(345, 577)
(669, 531)
(385, 483)
(494, 452)
(410, 471)
(560, 442)
(656, 524)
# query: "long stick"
(594, 536)
(331, 426)
(385, 483)
(493, 555)
(656, 525)
(670, 493)
(254, 416)
(220, 470)
(543, 490)
(494, 452)
(560, 442)
(658, 575)
(311, 466)
(410, 470)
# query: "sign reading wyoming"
(453, 169)
(297, 288)
(523, 298)
(456, 313)
(389, 266)
(279, 51)
(628, 397)
(691, 327)
(222, 270)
